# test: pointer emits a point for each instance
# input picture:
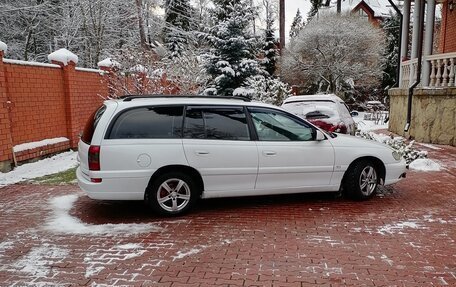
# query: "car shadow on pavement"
(116, 212)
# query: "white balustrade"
(442, 74)
(408, 72)
(442, 70)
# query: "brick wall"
(44, 101)
(41, 101)
(6, 146)
(37, 105)
(448, 30)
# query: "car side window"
(222, 123)
(273, 125)
(149, 122)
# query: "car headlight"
(397, 156)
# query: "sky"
(291, 6)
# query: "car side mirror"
(319, 136)
(354, 113)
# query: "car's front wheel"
(361, 180)
(172, 193)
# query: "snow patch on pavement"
(58, 163)
(181, 254)
(39, 260)
(387, 260)
(99, 259)
(62, 222)
(398, 227)
(424, 164)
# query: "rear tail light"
(338, 128)
(94, 157)
(341, 128)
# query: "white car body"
(227, 167)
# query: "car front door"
(217, 142)
(289, 156)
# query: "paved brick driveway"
(404, 237)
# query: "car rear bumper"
(111, 188)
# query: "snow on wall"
(63, 56)
(32, 145)
(138, 69)
(89, 70)
(109, 63)
(3, 47)
(27, 63)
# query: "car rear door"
(218, 144)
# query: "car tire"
(361, 180)
(172, 194)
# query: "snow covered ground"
(365, 125)
(55, 164)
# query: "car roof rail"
(129, 98)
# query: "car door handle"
(269, 152)
(201, 152)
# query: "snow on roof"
(3, 46)
(381, 8)
(109, 63)
(63, 56)
(329, 97)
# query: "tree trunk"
(142, 34)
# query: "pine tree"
(296, 25)
(232, 57)
(270, 52)
(315, 6)
(177, 24)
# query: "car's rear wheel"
(172, 193)
(361, 180)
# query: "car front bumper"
(395, 172)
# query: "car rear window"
(91, 124)
(313, 109)
(148, 123)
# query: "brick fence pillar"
(6, 143)
(111, 77)
(68, 62)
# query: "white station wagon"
(171, 151)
